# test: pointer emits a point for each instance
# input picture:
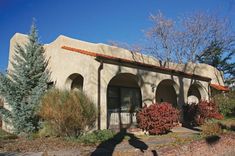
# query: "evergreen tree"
(24, 85)
(219, 57)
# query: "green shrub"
(226, 102)
(89, 138)
(94, 137)
(103, 135)
(69, 113)
(211, 129)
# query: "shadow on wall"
(179, 95)
(107, 147)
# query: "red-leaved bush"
(158, 118)
(197, 114)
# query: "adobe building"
(121, 81)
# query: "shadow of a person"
(107, 147)
(137, 143)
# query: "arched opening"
(75, 82)
(167, 92)
(123, 100)
(194, 95)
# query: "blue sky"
(94, 21)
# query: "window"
(125, 99)
(77, 83)
(113, 98)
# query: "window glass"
(113, 92)
(130, 99)
(127, 98)
(114, 104)
(113, 99)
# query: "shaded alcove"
(75, 82)
(167, 92)
(194, 93)
(123, 100)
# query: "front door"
(123, 102)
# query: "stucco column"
(182, 97)
(105, 77)
(148, 94)
(103, 105)
(205, 92)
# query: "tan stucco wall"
(6, 125)
(63, 63)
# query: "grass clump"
(226, 103)
(211, 129)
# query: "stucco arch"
(75, 82)
(123, 100)
(167, 91)
(125, 79)
(196, 92)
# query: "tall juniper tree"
(23, 86)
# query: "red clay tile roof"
(219, 87)
(98, 55)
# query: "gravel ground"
(217, 146)
(181, 142)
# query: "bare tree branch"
(186, 39)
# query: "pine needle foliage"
(23, 86)
(221, 58)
